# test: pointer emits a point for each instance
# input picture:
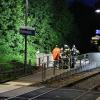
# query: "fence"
(79, 69)
(44, 58)
(45, 61)
(83, 63)
(14, 72)
(48, 60)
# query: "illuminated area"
(97, 11)
(53, 26)
(49, 49)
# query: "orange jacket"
(56, 53)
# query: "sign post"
(26, 31)
(25, 52)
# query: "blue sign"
(98, 31)
(27, 31)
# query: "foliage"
(10, 20)
(52, 19)
(54, 22)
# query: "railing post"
(80, 63)
(54, 67)
(42, 72)
(39, 61)
(30, 66)
(47, 61)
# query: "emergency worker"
(67, 50)
(66, 56)
(62, 52)
(56, 55)
(74, 53)
(74, 50)
(61, 58)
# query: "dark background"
(87, 21)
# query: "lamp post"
(26, 31)
(26, 16)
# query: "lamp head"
(97, 11)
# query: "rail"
(86, 92)
(33, 95)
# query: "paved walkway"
(28, 80)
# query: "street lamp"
(26, 16)
(97, 11)
(25, 30)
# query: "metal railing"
(82, 64)
(14, 72)
(45, 63)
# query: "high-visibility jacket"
(56, 53)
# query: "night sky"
(86, 2)
(87, 20)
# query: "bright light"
(97, 11)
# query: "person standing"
(66, 57)
(74, 53)
(56, 55)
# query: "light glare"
(97, 11)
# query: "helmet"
(61, 49)
(66, 46)
(74, 46)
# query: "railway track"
(87, 82)
(86, 92)
(33, 94)
(74, 79)
(54, 94)
(56, 90)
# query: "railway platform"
(24, 88)
(28, 80)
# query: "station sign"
(98, 31)
(27, 30)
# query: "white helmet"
(66, 46)
(61, 49)
(74, 46)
